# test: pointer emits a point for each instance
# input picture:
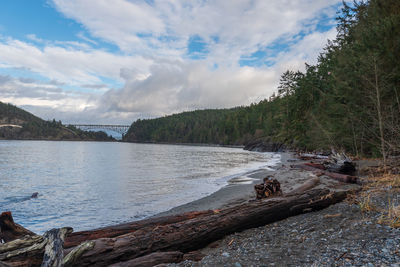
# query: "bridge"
(121, 129)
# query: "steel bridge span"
(121, 129)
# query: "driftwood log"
(196, 233)
(9, 230)
(76, 238)
(337, 176)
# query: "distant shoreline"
(181, 144)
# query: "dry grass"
(365, 203)
(381, 181)
(391, 216)
(384, 181)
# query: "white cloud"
(70, 65)
(242, 26)
(173, 87)
(158, 75)
(42, 95)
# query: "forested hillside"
(16, 123)
(349, 100)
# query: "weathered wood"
(77, 238)
(9, 230)
(337, 176)
(316, 165)
(24, 242)
(27, 252)
(309, 184)
(2, 264)
(152, 259)
(71, 258)
(196, 233)
(54, 252)
(270, 187)
(308, 156)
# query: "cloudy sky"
(114, 61)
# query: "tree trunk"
(76, 238)
(380, 120)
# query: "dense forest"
(349, 100)
(28, 126)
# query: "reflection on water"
(92, 184)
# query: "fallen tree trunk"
(198, 232)
(337, 176)
(9, 230)
(76, 238)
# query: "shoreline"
(241, 189)
(238, 190)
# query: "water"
(87, 185)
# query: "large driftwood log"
(9, 230)
(196, 233)
(76, 238)
(337, 176)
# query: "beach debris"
(334, 175)
(309, 156)
(270, 187)
(335, 162)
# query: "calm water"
(91, 184)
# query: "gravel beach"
(340, 235)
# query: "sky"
(115, 61)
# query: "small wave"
(242, 180)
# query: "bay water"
(87, 185)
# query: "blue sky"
(102, 61)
